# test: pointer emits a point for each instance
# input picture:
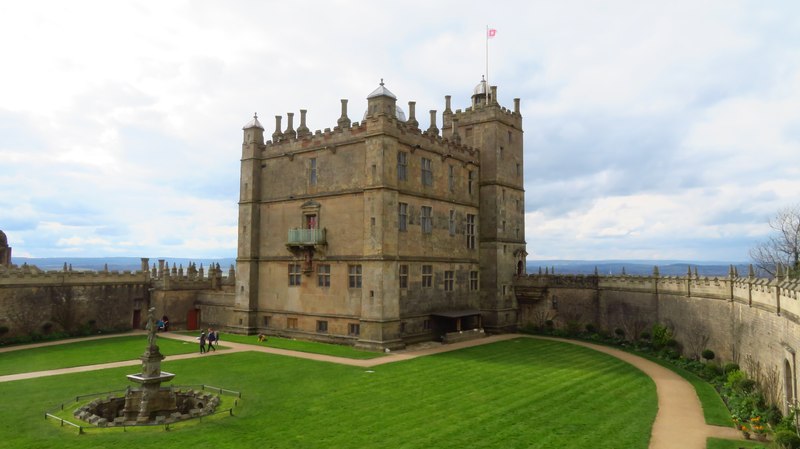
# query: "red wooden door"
(193, 319)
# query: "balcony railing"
(305, 237)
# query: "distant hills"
(637, 267)
(586, 267)
(114, 263)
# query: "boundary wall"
(754, 322)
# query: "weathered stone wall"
(750, 321)
(30, 309)
(35, 301)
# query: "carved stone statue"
(151, 327)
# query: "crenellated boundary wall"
(752, 321)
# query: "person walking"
(202, 342)
(212, 337)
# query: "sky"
(653, 130)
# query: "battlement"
(176, 278)
(778, 295)
(27, 275)
(380, 123)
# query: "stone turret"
(5, 250)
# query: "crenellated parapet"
(27, 276)
(346, 133)
(775, 295)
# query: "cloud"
(651, 130)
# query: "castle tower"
(247, 259)
(497, 132)
(5, 251)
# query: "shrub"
(573, 327)
(710, 371)
(645, 336)
(591, 329)
(3, 330)
(661, 335)
(47, 327)
(744, 385)
(787, 439)
(549, 324)
(708, 354)
(730, 367)
(619, 333)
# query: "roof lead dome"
(254, 123)
(482, 88)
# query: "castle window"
(470, 231)
(449, 281)
(402, 216)
(427, 172)
(266, 320)
(323, 275)
(294, 274)
(426, 325)
(403, 276)
(468, 133)
(322, 326)
(354, 276)
(427, 276)
(500, 153)
(473, 280)
(470, 180)
(519, 172)
(312, 172)
(451, 178)
(509, 137)
(452, 222)
(291, 323)
(354, 329)
(426, 220)
(402, 165)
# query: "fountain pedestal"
(150, 400)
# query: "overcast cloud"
(653, 130)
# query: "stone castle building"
(379, 233)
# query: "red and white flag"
(490, 33)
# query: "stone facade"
(377, 233)
(751, 321)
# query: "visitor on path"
(202, 342)
(160, 325)
(212, 337)
(165, 319)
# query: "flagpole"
(487, 64)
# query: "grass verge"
(717, 443)
(715, 411)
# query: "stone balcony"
(299, 238)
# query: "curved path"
(679, 422)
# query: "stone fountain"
(150, 402)
(145, 403)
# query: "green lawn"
(523, 393)
(299, 345)
(112, 349)
(716, 443)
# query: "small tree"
(708, 355)
(783, 246)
